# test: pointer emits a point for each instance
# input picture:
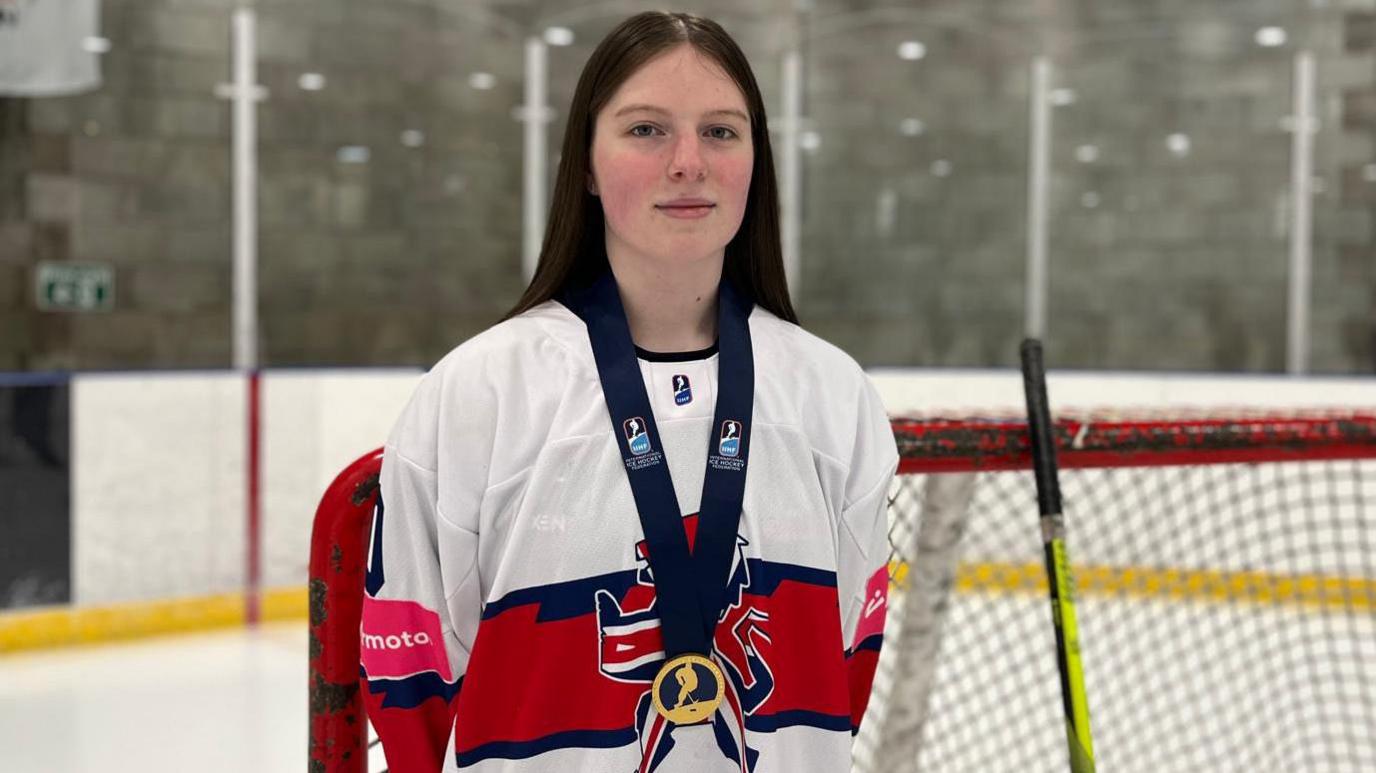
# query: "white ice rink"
(230, 701)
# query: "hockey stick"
(1058, 575)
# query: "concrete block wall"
(1156, 260)
(913, 244)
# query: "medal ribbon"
(690, 586)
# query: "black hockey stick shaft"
(1058, 575)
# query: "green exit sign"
(75, 287)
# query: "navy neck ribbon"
(690, 585)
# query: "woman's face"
(678, 128)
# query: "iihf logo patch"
(683, 391)
(636, 436)
(730, 444)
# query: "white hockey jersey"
(509, 618)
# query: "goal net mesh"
(1226, 596)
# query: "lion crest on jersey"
(632, 650)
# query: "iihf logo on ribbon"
(730, 444)
(683, 391)
(636, 436)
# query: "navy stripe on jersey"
(574, 598)
(870, 643)
(519, 750)
(768, 723)
(412, 691)
(375, 577)
(611, 739)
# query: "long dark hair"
(574, 248)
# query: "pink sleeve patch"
(400, 639)
(876, 606)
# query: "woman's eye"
(729, 132)
(641, 126)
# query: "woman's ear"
(591, 185)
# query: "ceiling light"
(1179, 144)
(1271, 37)
(558, 36)
(911, 50)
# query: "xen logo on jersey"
(730, 443)
(683, 391)
(636, 437)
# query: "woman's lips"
(686, 213)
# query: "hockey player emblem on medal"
(688, 689)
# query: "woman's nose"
(687, 161)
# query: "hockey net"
(1226, 572)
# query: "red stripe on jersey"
(624, 649)
(860, 668)
(526, 680)
(657, 726)
(808, 666)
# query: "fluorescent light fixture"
(809, 140)
(1062, 97)
(1271, 37)
(413, 138)
(482, 80)
(911, 50)
(1179, 144)
(311, 81)
(95, 44)
(353, 154)
(1087, 154)
(942, 168)
(558, 36)
(912, 127)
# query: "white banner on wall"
(48, 47)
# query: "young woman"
(638, 525)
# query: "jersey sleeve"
(422, 601)
(863, 572)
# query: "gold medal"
(688, 689)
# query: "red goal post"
(338, 566)
(973, 445)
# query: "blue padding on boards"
(35, 500)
